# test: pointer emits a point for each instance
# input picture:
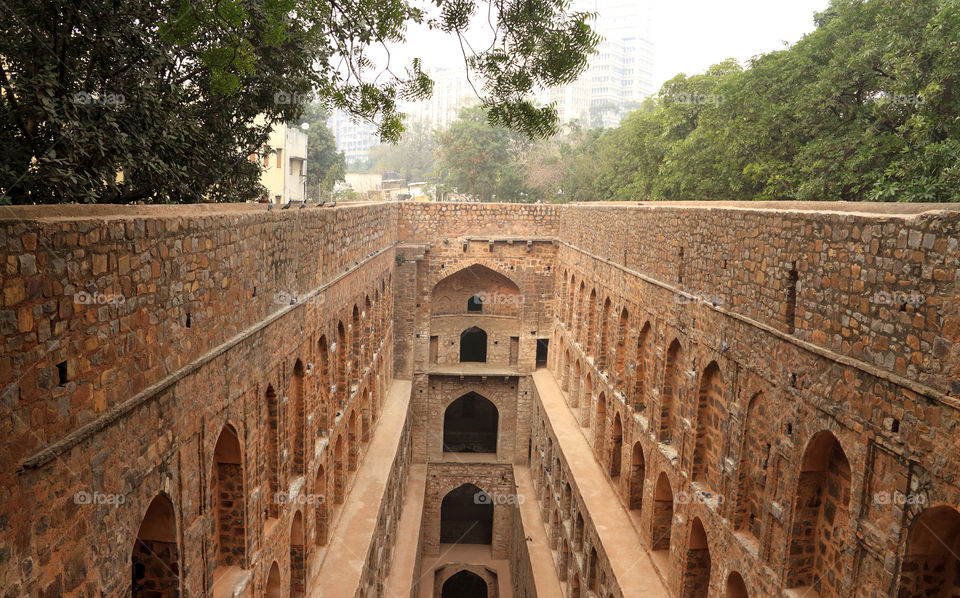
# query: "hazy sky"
(689, 35)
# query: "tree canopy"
(866, 107)
(156, 100)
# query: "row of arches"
(820, 529)
(289, 426)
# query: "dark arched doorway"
(464, 584)
(155, 558)
(473, 345)
(470, 425)
(466, 516)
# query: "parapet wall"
(874, 282)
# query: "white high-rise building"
(354, 139)
(620, 74)
(451, 93)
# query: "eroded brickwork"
(772, 391)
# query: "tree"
(412, 157)
(155, 100)
(325, 165)
(863, 108)
(479, 159)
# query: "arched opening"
(365, 416)
(466, 516)
(616, 447)
(752, 473)
(575, 385)
(580, 317)
(367, 329)
(274, 583)
(342, 351)
(273, 458)
(298, 558)
(464, 584)
(565, 371)
(479, 289)
(592, 309)
(710, 413)
(320, 509)
(600, 423)
(299, 418)
(564, 563)
(593, 573)
(473, 345)
(352, 442)
(338, 475)
(671, 383)
(470, 425)
(474, 304)
(575, 586)
(662, 514)
(604, 349)
(155, 559)
(696, 570)
(323, 385)
(565, 499)
(586, 402)
(820, 518)
(578, 532)
(638, 471)
(931, 566)
(227, 500)
(735, 587)
(640, 369)
(356, 340)
(554, 530)
(620, 367)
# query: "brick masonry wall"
(881, 380)
(145, 397)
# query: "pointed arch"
(623, 331)
(466, 516)
(228, 500)
(818, 536)
(638, 471)
(298, 558)
(697, 565)
(603, 351)
(671, 387)
(616, 447)
(662, 514)
(644, 341)
(707, 453)
(155, 558)
(298, 422)
(930, 562)
(470, 425)
(752, 470)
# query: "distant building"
(285, 166)
(354, 138)
(620, 74)
(451, 93)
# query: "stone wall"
(781, 331)
(134, 339)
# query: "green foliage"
(412, 157)
(864, 108)
(478, 159)
(178, 95)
